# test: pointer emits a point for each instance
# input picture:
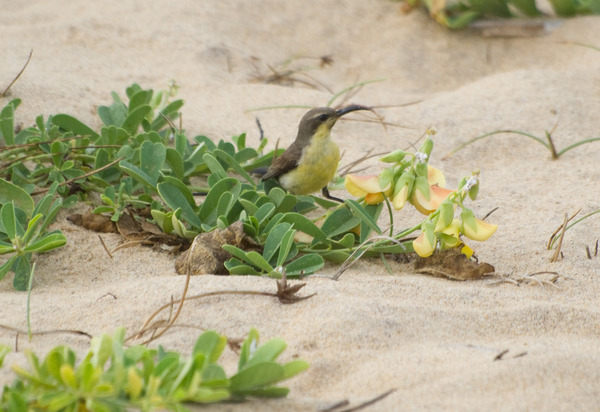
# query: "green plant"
(23, 230)
(139, 162)
(559, 235)
(459, 14)
(112, 377)
(548, 143)
(410, 179)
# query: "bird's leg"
(326, 194)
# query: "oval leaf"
(20, 197)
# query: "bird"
(310, 162)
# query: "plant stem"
(579, 143)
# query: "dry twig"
(18, 75)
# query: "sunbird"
(311, 161)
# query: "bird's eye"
(323, 117)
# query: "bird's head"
(319, 121)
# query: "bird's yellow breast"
(316, 167)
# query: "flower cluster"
(411, 179)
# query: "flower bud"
(427, 147)
(445, 217)
(385, 179)
(425, 244)
(402, 189)
(394, 157)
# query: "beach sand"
(435, 341)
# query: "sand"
(433, 340)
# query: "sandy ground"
(432, 339)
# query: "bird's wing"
(284, 163)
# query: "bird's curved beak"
(351, 108)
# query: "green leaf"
(139, 98)
(404, 247)
(365, 227)
(270, 392)
(211, 345)
(266, 352)
(22, 269)
(6, 247)
(4, 350)
(293, 368)
(6, 266)
(234, 165)
(225, 204)
(134, 119)
(240, 141)
(10, 192)
(305, 265)
(305, 225)
(460, 20)
(255, 377)
(564, 8)
(347, 241)
(527, 7)
(170, 112)
(335, 256)
(496, 8)
(9, 220)
(203, 140)
(208, 209)
(179, 227)
(214, 166)
(71, 124)
(289, 203)
(48, 242)
(241, 269)
(277, 195)
(58, 401)
(274, 240)
(264, 212)
(257, 260)
(286, 245)
(340, 221)
(115, 113)
(324, 203)
(361, 213)
(249, 207)
(7, 122)
(139, 175)
(102, 349)
(175, 162)
(152, 158)
(237, 252)
(31, 226)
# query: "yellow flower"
(402, 189)
(435, 177)
(482, 230)
(400, 198)
(436, 196)
(367, 187)
(467, 251)
(449, 237)
(437, 192)
(425, 244)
